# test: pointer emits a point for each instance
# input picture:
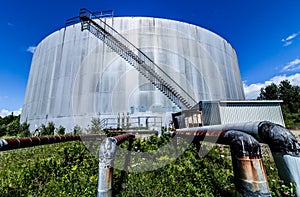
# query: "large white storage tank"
(74, 76)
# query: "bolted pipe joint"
(279, 138)
(249, 175)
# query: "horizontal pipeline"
(277, 137)
(15, 143)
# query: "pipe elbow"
(279, 138)
(107, 152)
(243, 144)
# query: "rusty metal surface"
(241, 143)
(106, 158)
(29, 142)
(107, 151)
(132, 131)
(123, 137)
(104, 182)
(249, 174)
(15, 143)
(250, 177)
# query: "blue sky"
(265, 35)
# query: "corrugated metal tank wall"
(75, 77)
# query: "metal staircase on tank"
(135, 57)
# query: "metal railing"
(135, 57)
(132, 122)
(96, 15)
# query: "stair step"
(135, 58)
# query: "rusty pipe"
(15, 143)
(123, 137)
(107, 151)
(249, 174)
(284, 146)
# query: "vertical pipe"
(283, 144)
(249, 174)
(107, 151)
(106, 159)
(285, 150)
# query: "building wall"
(75, 77)
(236, 112)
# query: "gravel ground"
(296, 133)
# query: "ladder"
(135, 57)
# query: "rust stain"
(251, 170)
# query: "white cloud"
(31, 49)
(294, 35)
(287, 43)
(289, 40)
(292, 65)
(5, 112)
(294, 79)
(252, 91)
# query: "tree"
(24, 130)
(2, 129)
(296, 98)
(61, 130)
(77, 130)
(270, 92)
(48, 130)
(13, 128)
(51, 128)
(291, 101)
(95, 126)
(286, 93)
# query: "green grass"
(69, 169)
